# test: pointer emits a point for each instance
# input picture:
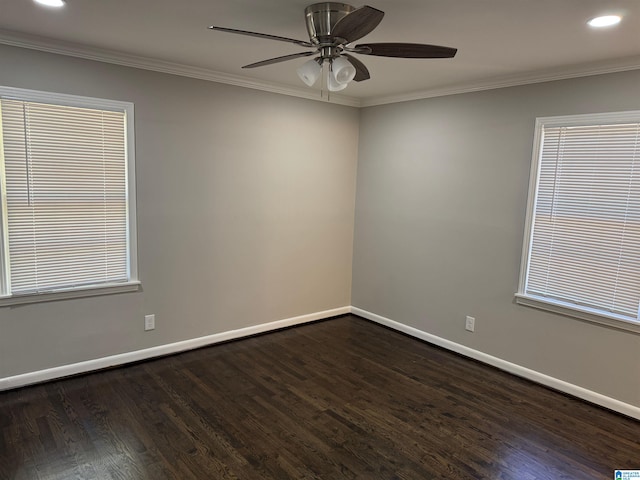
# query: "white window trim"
(543, 303)
(132, 238)
(579, 312)
(66, 294)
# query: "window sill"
(583, 313)
(70, 293)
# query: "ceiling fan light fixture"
(604, 21)
(51, 3)
(310, 71)
(343, 71)
(332, 83)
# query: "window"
(68, 203)
(582, 245)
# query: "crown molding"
(16, 39)
(538, 76)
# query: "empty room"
(292, 240)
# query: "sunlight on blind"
(585, 246)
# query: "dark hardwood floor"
(338, 399)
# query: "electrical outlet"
(149, 322)
(470, 324)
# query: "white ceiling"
(500, 42)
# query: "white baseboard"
(30, 378)
(561, 385)
(147, 353)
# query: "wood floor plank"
(338, 399)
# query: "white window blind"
(65, 176)
(584, 247)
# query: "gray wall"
(243, 218)
(440, 211)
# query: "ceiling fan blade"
(357, 24)
(279, 59)
(262, 35)
(408, 50)
(361, 71)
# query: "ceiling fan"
(332, 27)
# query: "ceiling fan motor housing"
(321, 18)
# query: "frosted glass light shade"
(309, 72)
(343, 70)
(332, 83)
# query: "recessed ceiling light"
(51, 3)
(605, 21)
